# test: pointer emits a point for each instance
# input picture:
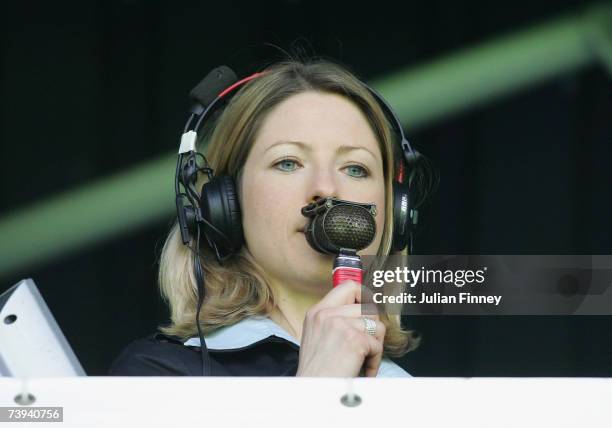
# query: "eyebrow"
(293, 143)
(342, 149)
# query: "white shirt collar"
(254, 329)
(242, 334)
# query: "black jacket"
(161, 355)
(254, 346)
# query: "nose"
(323, 184)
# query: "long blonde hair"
(238, 289)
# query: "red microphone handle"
(347, 267)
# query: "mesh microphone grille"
(346, 226)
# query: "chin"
(311, 267)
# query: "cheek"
(378, 197)
(264, 211)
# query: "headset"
(213, 213)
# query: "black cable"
(177, 183)
(204, 115)
(193, 197)
(186, 128)
(199, 274)
(189, 182)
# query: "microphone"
(341, 227)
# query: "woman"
(296, 133)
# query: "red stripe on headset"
(400, 172)
(238, 83)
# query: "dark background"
(92, 88)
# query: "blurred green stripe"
(421, 95)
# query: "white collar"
(254, 329)
(242, 334)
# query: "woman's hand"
(334, 341)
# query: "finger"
(354, 310)
(359, 325)
(368, 305)
(346, 293)
(373, 359)
(372, 364)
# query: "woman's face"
(312, 145)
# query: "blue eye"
(287, 165)
(357, 171)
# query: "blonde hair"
(238, 289)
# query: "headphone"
(216, 209)
(213, 213)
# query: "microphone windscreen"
(342, 226)
(213, 84)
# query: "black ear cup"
(187, 219)
(401, 216)
(220, 208)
